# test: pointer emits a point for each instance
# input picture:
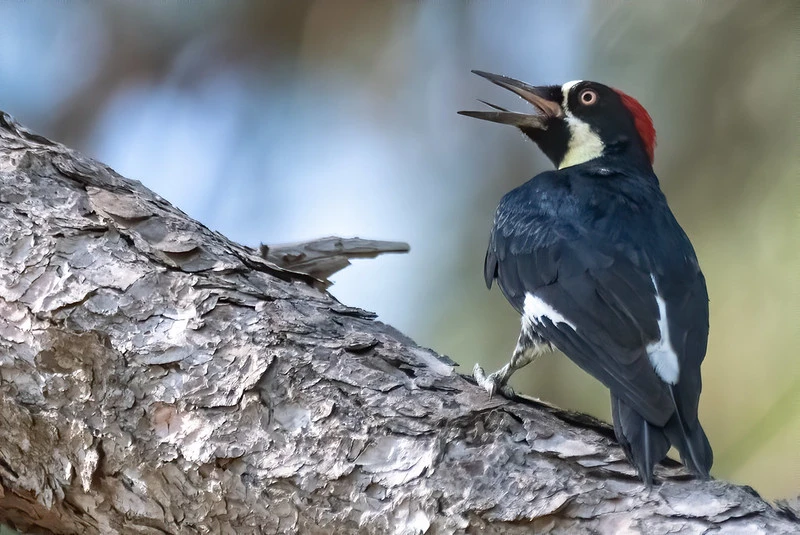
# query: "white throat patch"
(584, 143)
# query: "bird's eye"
(588, 97)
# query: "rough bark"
(157, 378)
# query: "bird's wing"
(594, 298)
(686, 299)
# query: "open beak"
(545, 99)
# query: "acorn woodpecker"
(593, 259)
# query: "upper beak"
(541, 97)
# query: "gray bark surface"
(157, 378)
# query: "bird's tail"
(646, 444)
(689, 437)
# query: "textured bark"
(157, 378)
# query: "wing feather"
(600, 284)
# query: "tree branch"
(158, 378)
(323, 257)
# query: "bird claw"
(492, 383)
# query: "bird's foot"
(493, 383)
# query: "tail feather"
(690, 440)
(646, 444)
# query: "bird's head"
(578, 121)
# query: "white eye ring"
(587, 97)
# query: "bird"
(593, 259)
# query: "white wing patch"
(535, 309)
(661, 353)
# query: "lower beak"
(545, 99)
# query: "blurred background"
(280, 121)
